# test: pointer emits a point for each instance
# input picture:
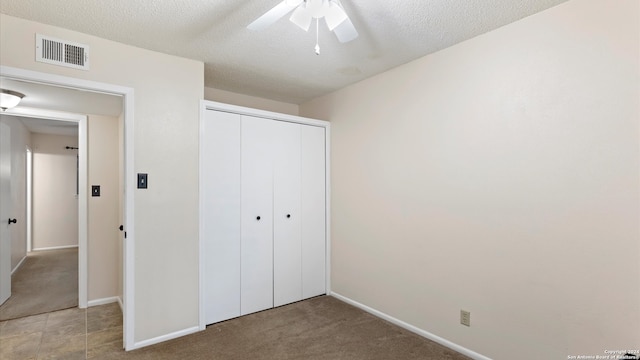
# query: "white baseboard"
(55, 248)
(18, 266)
(159, 339)
(413, 329)
(120, 303)
(103, 301)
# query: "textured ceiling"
(279, 62)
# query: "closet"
(263, 210)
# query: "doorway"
(127, 117)
(46, 279)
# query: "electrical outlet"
(465, 317)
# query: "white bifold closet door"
(263, 213)
(313, 207)
(220, 216)
(256, 279)
(287, 246)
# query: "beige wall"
(232, 98)
(20, 139)
(103, 244)
(498, 176)
(55, 201)
(166, 112)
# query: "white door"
(263, 213)
(5, 212)
(287, 251)
(256, 268)
(313, 212)
(220, 218)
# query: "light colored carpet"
(47, 281)
(322, 328)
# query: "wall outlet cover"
(465, 318)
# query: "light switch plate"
(142, 181)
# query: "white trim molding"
(170, 336)
(416, 330)
(55, 248)
(19, 264)
(202, 323)
(103, 301)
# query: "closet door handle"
(258, 218)
(288, 216)
(12, 221)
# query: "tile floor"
(67, 334)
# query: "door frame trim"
(128, 115)
(83, 200)
(29, 194)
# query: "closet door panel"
(313, 204)
(220, 197)
(287, 256)
(257, 215)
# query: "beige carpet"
(47, 281)
(316, 329)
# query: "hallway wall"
(103, 212)
(55, 201)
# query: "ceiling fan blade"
(345, 32)
(274, 14)
(335, 15)
(301, 17)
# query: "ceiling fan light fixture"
(334, 15)
(317, 8)
(272, 15)
(301, 17)
(9, 99)
(304, 11)
(345, 32)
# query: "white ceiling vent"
(63, 53)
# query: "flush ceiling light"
(9, 99)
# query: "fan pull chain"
(317, 35)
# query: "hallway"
(46, 281)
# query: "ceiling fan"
(304, 11)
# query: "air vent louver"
(63, 53)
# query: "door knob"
(258, 218)
(12, 221)
(121, 227)
(288, 216)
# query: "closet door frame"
(205, 106)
